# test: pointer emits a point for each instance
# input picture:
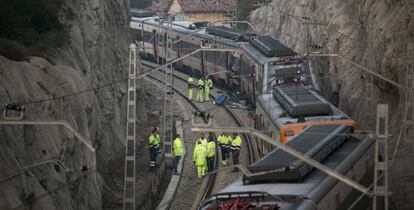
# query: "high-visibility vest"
(220, 140)
(208, 84)
(228, 140)
(211, 149)
(236, 143)
(199, 155)
(178, 148)
(200, 84)
(203, 142)
(154, 140)
(190, 82)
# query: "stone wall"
(373, 33)
(95, 53)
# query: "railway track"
(212, 177)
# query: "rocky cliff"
(373, 33)
(95, 53)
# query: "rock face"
(372, 33)
(96, 53)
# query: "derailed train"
(279, 82)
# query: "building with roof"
(197, 10)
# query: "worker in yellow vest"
(199, 158)
(178, 151)
(211, 153)
(222, 142)
(154, 146)
(228, 146)
(235, 150)
(200, 93)
(204, 143)
(208, 84)
(190, 83)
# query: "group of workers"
(204, 151)
(204, 87)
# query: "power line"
(54, 98)
(19, 99)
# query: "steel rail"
(212, 177)
(250, 150)
(213, 174)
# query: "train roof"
(271, 47)
(256, 55)
(279, 117)
(230, 33)
(182, 27)
(141, 13)
(314, 185)
(316, 142)
(299, 100)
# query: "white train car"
(314, 190)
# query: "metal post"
(169, 56)
(381, 157)
(130, 153)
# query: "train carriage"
(263, 63)
(279, 82)
(310, 189)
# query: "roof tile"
(198, 5)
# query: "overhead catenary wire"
(55, 98)
(33, 95)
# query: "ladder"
(130, 145)
(381, 158)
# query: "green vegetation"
(140, 4)
(32, 23)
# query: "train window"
(289, 133)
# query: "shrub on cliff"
(31, 23)
(12, 50)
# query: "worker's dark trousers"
(153, 157)
(223, 152)
(176, 161)
(210, 164)
(236, 154)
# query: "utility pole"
(168, 58)
(381, 158)
(130, 143)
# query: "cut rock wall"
(95, 53)
(373, 33)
